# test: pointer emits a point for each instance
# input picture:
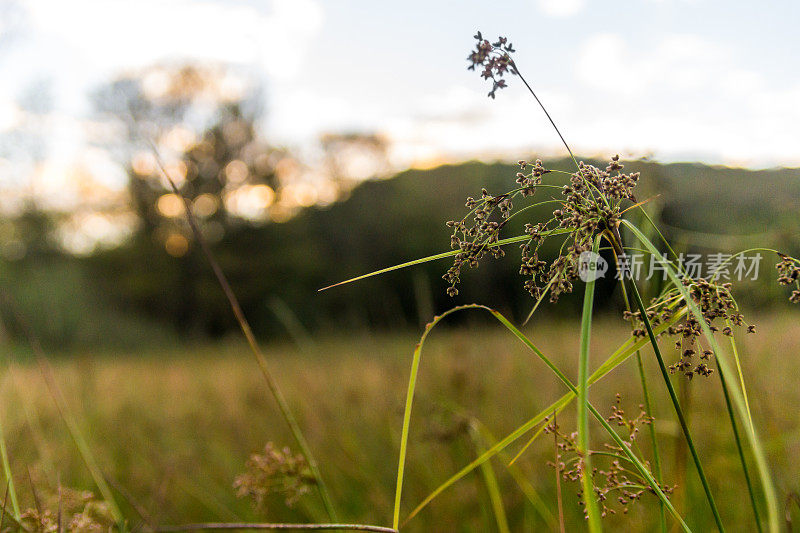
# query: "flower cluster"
(494, 59)
(475, 238)
(716, 304)
(71, 511)
(275, 472)
(788, 273)
(616, 478)
(590, 204)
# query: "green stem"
(678, 411)
(739, 449)
(247, 331)
(12, 493)
(652, 424)
(756, 444)
(592, 510)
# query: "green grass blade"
(739, 449)
(678, 410)
(642, 469)
(592, 510)
(522, 481)
(74, 430)
(490, 479)
(620, 355)
(244, 326)
(738, 398)
(12, 493)
(412, 384)
(662, 518)
(741, 378)
(80, 441)
(501, 242)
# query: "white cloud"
(679, 62)
(684, 97)
(118, 34)
(561, 8)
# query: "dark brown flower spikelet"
(590, 204)
(715, 302)
(494, 60)
(789, 273)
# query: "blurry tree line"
(279, 240)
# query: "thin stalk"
(592, 510)
(558, 478)
(530, 89)
(492, 487)
(678, 411)
(72, 426)
(616, 359)
(617, 243)
(652, 425)
(317, 527)
(10, 491)
(741, 377)
(244, 325)
(739, 449)
(756, 445)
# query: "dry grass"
(175, 428)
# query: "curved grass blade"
(741, 377)
(244, 326)
(524, 484)
(739, 449)
(637, 463)
(592, 511)
(412, 384)
(678, 410)
(490, 479)
(66, 415)
(451, 253)
(627, 349)
(755, 442)
(10, 491)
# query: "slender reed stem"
(530, 89)
(652, 424)
(678, 411)
(244, 325)
(616, 242)
(558, 478)
(756, 444)
(242, 526)
(739, 449)
(61, 405)
(592, 510)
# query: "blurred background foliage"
(148, 288)
(281, 231)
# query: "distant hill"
(391, 221)
(276, 269)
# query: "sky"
(673, 80)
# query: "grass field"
(172, 429)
